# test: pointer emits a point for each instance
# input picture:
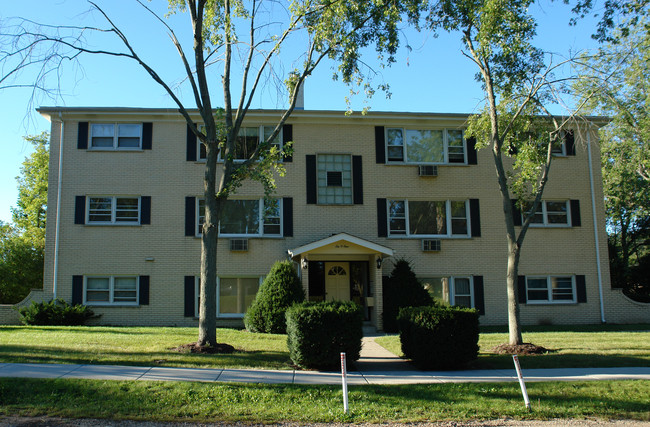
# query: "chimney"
(300, 99)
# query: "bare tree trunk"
(208, 292)
(514, 321)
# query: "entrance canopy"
(341, 244)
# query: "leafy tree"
(279, 291)
(21, 266)
(246, 38)
(30, 213)
(497, 35)
(615, 82)
(22, 245)
(617, 17)
(403, 289)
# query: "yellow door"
(337, 281)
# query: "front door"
(337, 281)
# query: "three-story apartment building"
(125, 210)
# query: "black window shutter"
(382, 225)
(147, 135)
(581, 288)
(82, 136)
(516, 213)
(287, 136)
(357, 180)
(575, 213)
(189, 296)
(570, 143)
(521, 287)
(311, 179)
(145, 210)
(287, 216)
(191, 145)
(475, 217)
(479, 296)
(380, 144)
(144, 290)
(190, 216)
(77, 290)
(471, 151)
(80, 210)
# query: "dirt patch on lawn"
(204, 349)
(525, 349)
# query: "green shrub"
(280, 290)
(318, 332)
(55, 313)
(402, 289)
(439, 337)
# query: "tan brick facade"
(162, 252)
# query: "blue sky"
(433, 77)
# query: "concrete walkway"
(376, 366)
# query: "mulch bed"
(195, 348)
(526, 349)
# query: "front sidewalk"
(376, 366)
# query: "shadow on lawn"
(170, 358)
(558, 360)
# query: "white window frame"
(448, 220)
(111, 290)
(549, 289)
(451, 280)
(197, 296)
(546, 223)
(445, 143)
(116, 129)
(260, 219)
(452, 289)
(260, 130)
(113, 220)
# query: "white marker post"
(521, 382)
(344, 378)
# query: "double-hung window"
(550, 289)
(452, 290)
(425, 146)
(414, 218)
(549, 214)
(246, 218)
(116, 136)
(247, 141)
(111, 290)
(113, 210)
(234, 295)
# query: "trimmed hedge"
(55, 313)
(439, 337)
(279, 291)
(318, 332)
(402, 289)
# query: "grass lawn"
(574, 346)
(147, 346)
(203, 402)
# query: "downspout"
(593, 212)
(58, 211)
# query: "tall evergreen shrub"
(280, 290)
(402, 289)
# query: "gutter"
(58, 211)
(593, 212)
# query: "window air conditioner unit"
(428, 170)
(239, 245)
(430, 245)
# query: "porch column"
(378, 293)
